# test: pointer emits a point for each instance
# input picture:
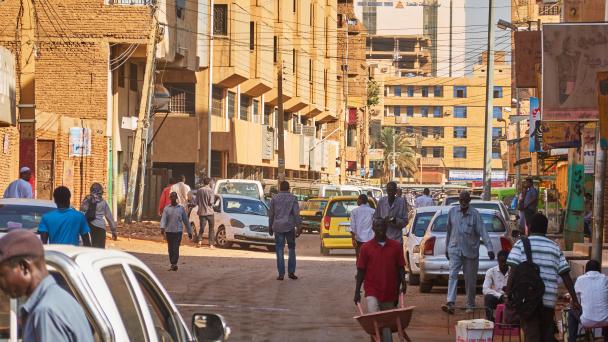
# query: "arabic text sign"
(572, 56)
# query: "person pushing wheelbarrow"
(381, 269)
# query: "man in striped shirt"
(552, 264)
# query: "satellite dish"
(161, 100)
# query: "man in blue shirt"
(172, 221)
(65, 224)
(50, 313)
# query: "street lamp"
(503, 25)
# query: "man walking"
(381, 268)
(64, 225)
(393, 210)
(50, 313)
(164, 197)
(529, 206)
(283, 219)
(425, 200)
(182, 190)
(21, 188)
(361, 219)
(205, 197)
(547, 255)
(173, 220)
(464, 229)
(494, 285)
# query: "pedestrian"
(529, 203)
(393, 210)
(164, 197)
(464, 230)
(64, 225)
(97, 211)
(381, 269)
(283, 220)
(546, 254)
(592, 291)
(172, 224)
(361, 219)
(21, 188)
(495, 284)
(182, 190)
(205, 198)
(400, 192)
(50, 313)
(425, 200)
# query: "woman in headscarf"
(95, 209)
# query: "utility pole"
(450, 73)
(281, 123)
(394, 164)
(344, 137)
(487, 156)
(141, 121)
(210, 100)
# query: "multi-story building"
(525, 13)
(255, 42)
(444, 116)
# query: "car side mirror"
(210, 327)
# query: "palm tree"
(405, 158)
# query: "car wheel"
(426, 287)
(244, 245)
(324, 250)
(220, 238)
(271, 248)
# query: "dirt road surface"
(241, 285)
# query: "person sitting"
(592, 290)
(494, 284)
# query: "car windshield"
(341, 208)
(21, 216)
(350, 193)
(491, 222)
(313, 206)
(421, 222)
(245, 206)
(486, 205)
(377, 193)
(451, 200)
(332, 192)
(236, 188)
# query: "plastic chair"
(502, 329)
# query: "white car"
(238, 219)
(419, 220)
(23, 213)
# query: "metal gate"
(45, 175)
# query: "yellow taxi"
(335, 225)
(311, 213)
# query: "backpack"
(527, 289)
(91, 212)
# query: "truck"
(121, 297)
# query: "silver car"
(419, 220)
(434, 267)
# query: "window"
(425, 91)
(460, 112)
(424, 131)
(256, 111)
(125, 301)
(495, 154)
(180, 8)
(216, 164)
(410, 91)
(460, 152)
(497, 112)
(397, 110)
(410, 111)
(220, 19)
(132, 76)
(437, 132)
(230, 97)
(496, 132)
(438, 152)
(497, 92)
(409, 129)
(244, 110)
(267, 113)
(397, 90)
(216, 102)
(460, 132)
(275, 47)
(438, 91)
(424, 151)
(460, 92)
(424, 111)
(121, 76)
(182, 98)
(252, 35)
(294, 60)
(437, 112)
(351, 139)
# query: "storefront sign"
(561, 135)
(475, 175)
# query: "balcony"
(130, 2)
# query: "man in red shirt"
(164, 197)
(381, 267)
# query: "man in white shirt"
(361, 220)
(494, 285)
(181, 189)
(425, 200)
(21, 188)
(592, 291)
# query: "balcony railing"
(130, 2)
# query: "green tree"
(405, 158)
(373, 93)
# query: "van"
(243, 187)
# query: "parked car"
(336, 223)
(238, 219)
(419, 220)
(449, 200)
(122, 299)
(23, 213)
(498, 206)
(311, 213)
(243, 187)
(434, 267)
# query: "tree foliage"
(405, 158)
(373, 93)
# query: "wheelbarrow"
(396, 319)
